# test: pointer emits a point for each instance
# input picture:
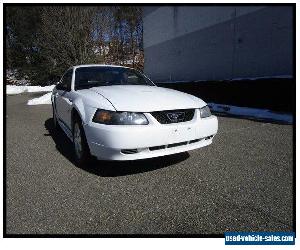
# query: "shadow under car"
(110, 168)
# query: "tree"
(21, 37)
(42, 42)
(65, 37)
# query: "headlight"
(119, 118)
(205, 112)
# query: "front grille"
(174, 116)
(129, 151)
(157, 148)
(209, 137)
(174, 145)
(177, 144)
(194, 141)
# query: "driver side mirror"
(60, 87)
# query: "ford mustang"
(117, 113)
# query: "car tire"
(81, 148)
(55, 123)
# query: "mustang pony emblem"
(176, 116)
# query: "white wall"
(213, 43)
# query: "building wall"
(188, 43)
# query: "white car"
(117, 113)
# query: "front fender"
(86, 104)
(80, 108)
(85, 111)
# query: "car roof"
(99, 65)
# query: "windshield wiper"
(91, 85)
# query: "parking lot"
(242, 182)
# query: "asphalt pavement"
(242, 182)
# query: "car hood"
(141, 98)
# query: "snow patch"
(262, 114)
(14, 90)
(40, 89)
(230, 79)
(262, 77)
(44, 99)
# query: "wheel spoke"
(77, 141)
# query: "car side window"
(65, 83)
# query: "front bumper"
(132, 142)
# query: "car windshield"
(88, 77)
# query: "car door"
(63, 99)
